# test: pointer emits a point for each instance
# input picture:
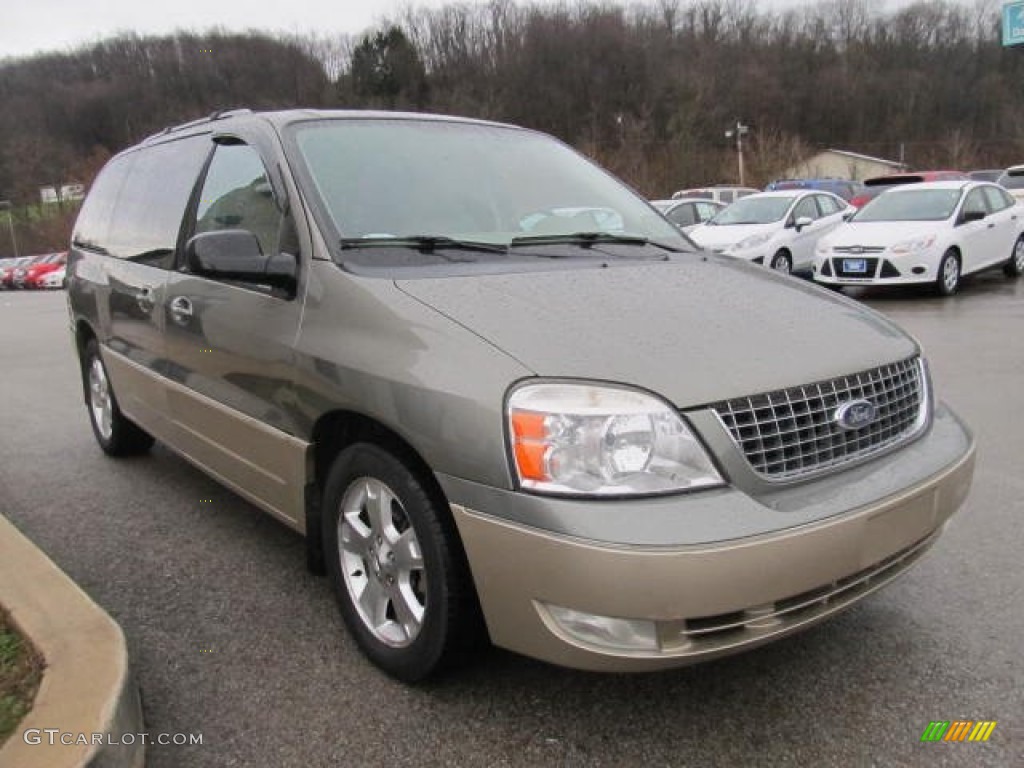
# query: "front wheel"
(1015, 266)
(393, 564)
(782, 262)
(115, 433)
(948, 279)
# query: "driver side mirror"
(969, 216)
(803, 221)
(235, 254)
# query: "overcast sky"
(31, 26)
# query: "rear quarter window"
(998, 199)
(93, 222)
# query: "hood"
(881, 234)
(694, 330)
(723, 236)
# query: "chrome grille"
(858, 249)
(793, 433)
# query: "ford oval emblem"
(855, 414)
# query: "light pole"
(5, 205)
(739, 130)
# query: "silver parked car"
(496, 390)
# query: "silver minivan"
(498, 393)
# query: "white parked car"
(777, 229)
(688, 212)
(930, 233)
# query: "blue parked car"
(845, 188)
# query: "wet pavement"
(233, 639)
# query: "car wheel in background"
(394, 563)
(116, 435)
(782, 262)
(948, 279)
(1015, 266)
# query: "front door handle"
(181, 310)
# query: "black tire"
(440, 587)
(782, 262)
(947, 281)
(1014, 267)
(121, 437)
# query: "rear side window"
(998, 199)
(153, 200)
(94, 219)
(683, 215)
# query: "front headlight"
(599, 440)
(913, 246)
(752, 242)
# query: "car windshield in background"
(416, 179)
(911, 205)
(1012, 181)
(754, 210)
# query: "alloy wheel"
(100, 404)
(381, 562)
(950, 274)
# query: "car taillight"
(859, 200)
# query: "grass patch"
(21, 669)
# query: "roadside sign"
(1013, 23)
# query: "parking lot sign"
(1013, 23)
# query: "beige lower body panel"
(264, 465)
(707, 601)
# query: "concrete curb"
(87, 687)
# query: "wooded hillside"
(647, 90)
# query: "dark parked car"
(990, 174)
(844, 188)
(873, 187)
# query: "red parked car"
(35, 273)
(877, 185)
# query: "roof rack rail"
(220, 114)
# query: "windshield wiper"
(423, 243)
(586, 239)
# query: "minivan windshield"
(755, 210)
(438, 181)
(909, 204)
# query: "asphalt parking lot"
(232, 638)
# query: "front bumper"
(706, 600)
(883, 269)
